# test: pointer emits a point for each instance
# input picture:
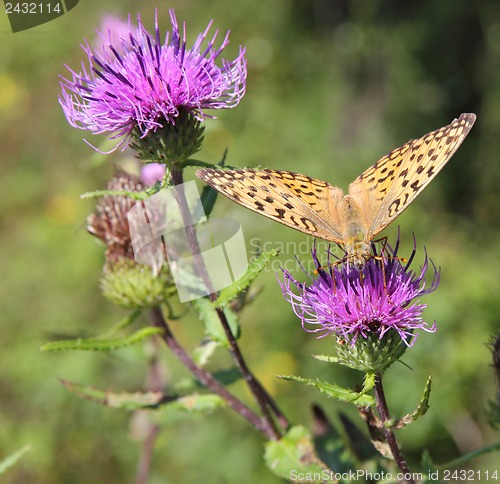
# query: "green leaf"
(126, 321)
(208, 198)
(293, 457)
(94, 344)
(190, 385)
(467, 458)
(326, 358)
(197, 403)
(330, 444)
(430, 471)
(213, 327)
(335, 391)
(125, 193)
(203, 352)
(254, 269)
(11, 459)
(194, 403)
(208, 194)
(422, 408)
(361, 448)
(204, 164)
(122, 400)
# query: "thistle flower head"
(136, 81)
(364, 306)
(109, 223)
(125, 281)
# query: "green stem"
(203, 376)
(262, 397)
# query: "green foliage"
(197, 403)
(95, 344)
(208, 194)
(11, 459)
(121, 400)
(104, 193)
(255, 267)
(213, 328)
(294, 452)
(194, 403)
(335, 391)
(330, 91)
(420, 411)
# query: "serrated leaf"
(254, 269)
(198, 403)
(11, 459)
(95, 344)
(213, 327)
(326, 358)
(122, 400)
(124, 193)
(126, 321)
(203, 352)
(335, 391)
(421, 410)
(294, 454)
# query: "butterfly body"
(373, 201)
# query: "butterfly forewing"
(301, 202)
(396, 179)
(375, 198)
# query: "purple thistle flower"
(144, 83)
(354, 304)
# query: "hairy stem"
(261, 396)
(147, 455)
(154, 382)
(383, 411)
(205, 377)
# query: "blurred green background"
(332, 86)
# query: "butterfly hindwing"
(298, 201)
(399, 177)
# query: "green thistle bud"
(371, 353)
(125, 281)
(131, 285)
(173, 143)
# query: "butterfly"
(374, 200)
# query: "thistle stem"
(155, 382)
(383, 411)
(146, 455)
(261, 396)
(205, 377)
